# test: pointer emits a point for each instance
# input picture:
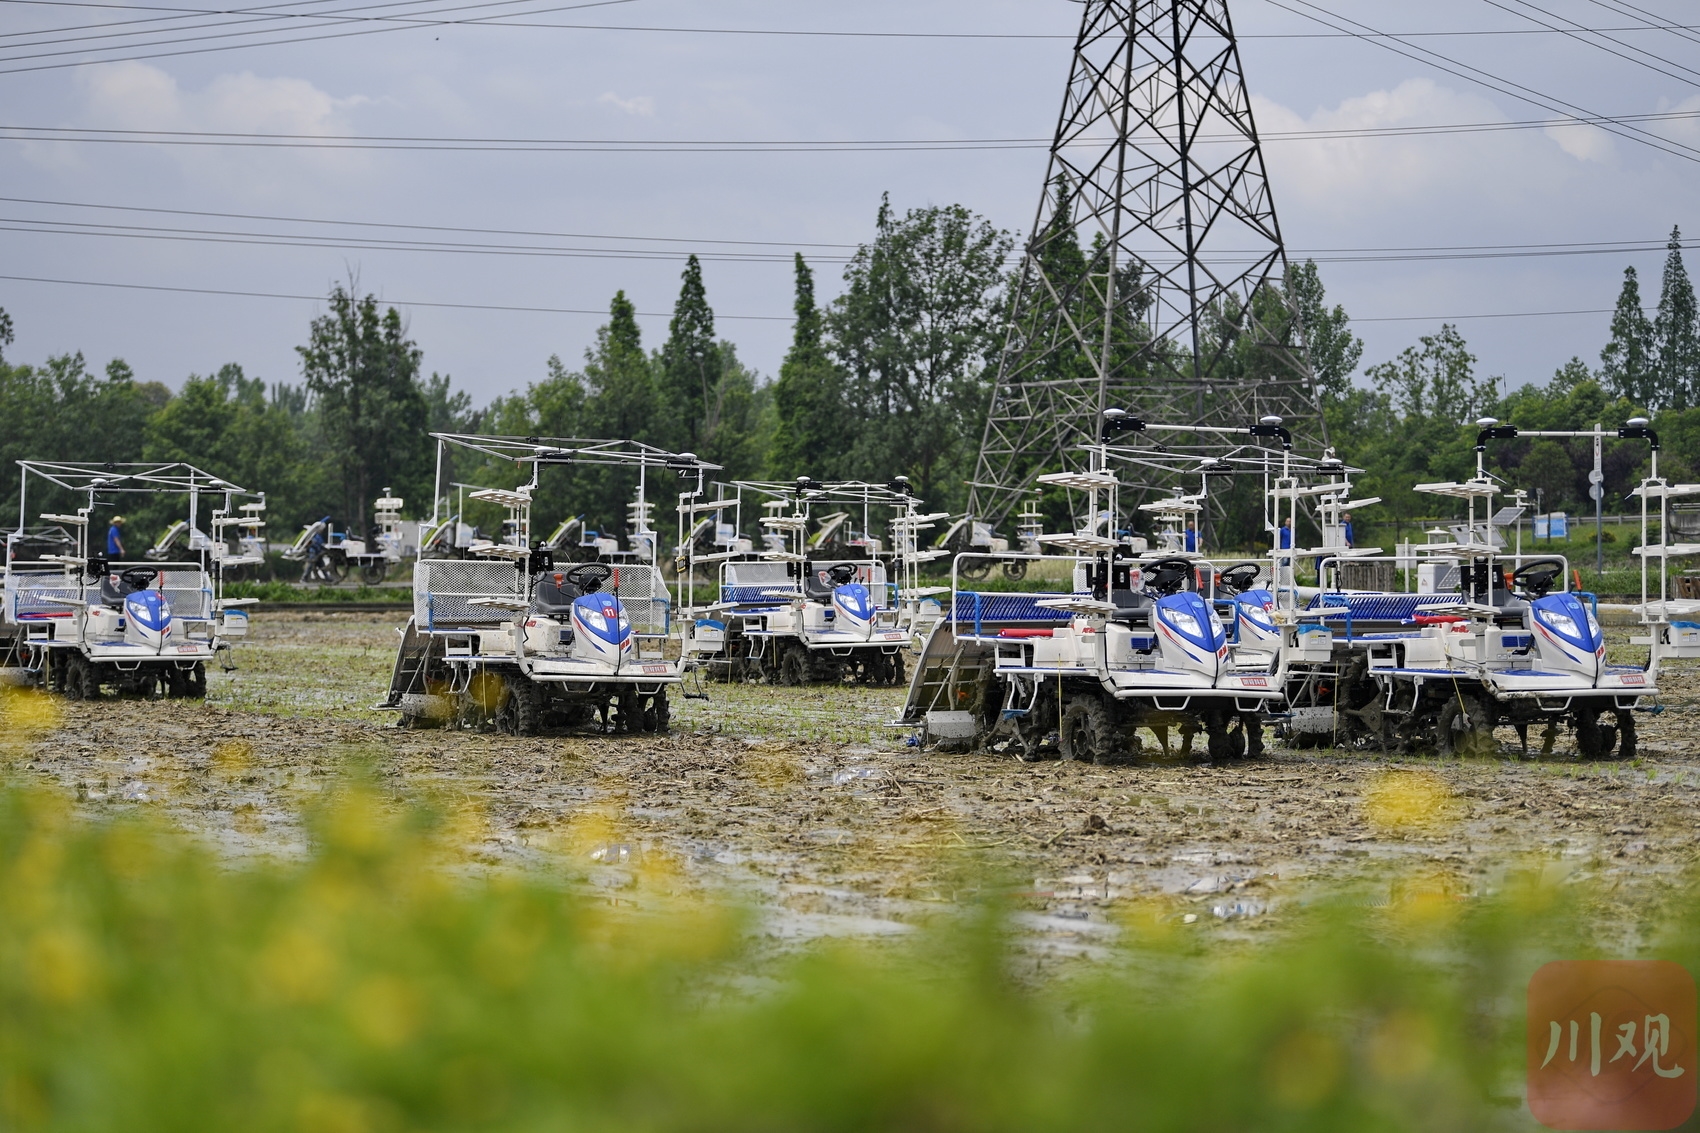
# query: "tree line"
(891, 377)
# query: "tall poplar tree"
(918, 319)
(362, 372)
(1676, 332)
(1627, 364)
(812, 433)
(689, 368)
(622, 405)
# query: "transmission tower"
(1151, 281)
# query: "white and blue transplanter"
(83, 615)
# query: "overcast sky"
(581, 224)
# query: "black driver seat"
(114, 589)
(112, 592)
(1130, 603)
(816, 590)
(554, 599)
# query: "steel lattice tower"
(1151, 280)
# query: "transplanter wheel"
(794, 667)
(373, 573)
(1218, 741)
(72, 677)
(1463, 727)
(656, 714)
(1626, 746)
(1088, 734)
(629, 717)
(519, 712)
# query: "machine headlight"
(1563, 623)
(593, 619)
(1593, 624)
(1184, 622)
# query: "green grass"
(320, 595)
(379, 984)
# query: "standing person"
(115, 538)
(1346, 530)
(1191, 543)
(1285, 540)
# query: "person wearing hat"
(115, 538)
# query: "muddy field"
(803, 804)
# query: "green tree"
(1627, 364)
(808, 398)
(918, 318)
(363, 374)
(622, 404)
(1434, 379)
(448, 410)
(689, 367)
(5, 334)
(228, 425)
(1549, 467)
(1676, 332)
(62, 411)
(1334, 350)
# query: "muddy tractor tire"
(1627, 748)
(794, 666)
(1463, 727)
(1088, 733)
(628, 718)
(657, 715)
(1598, 736)
(521, 711)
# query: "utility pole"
(1153, 278)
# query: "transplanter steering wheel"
(1240, 577)
(138, 578)
(1537, 577)
(842, 574)
(588, 577)
(1168, 576)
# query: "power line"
(1576, 31)
(422, 143)
(1627, 9)
(186, 13)
(403, 22)
(665, 314)
(678, 245)
(288, 40)
(268, 13)
(1487, 79)
(421, 227)
(387, 302)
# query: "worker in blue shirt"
(1346, 530)
(1191, 539)
(115, 538)
(1285, 541)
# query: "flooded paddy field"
(803, 804)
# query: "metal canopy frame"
(1156, 158)
(130, 476)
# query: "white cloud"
(642, 105)
(136, 96)
(1584, 143)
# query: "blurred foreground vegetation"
(382, 983)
